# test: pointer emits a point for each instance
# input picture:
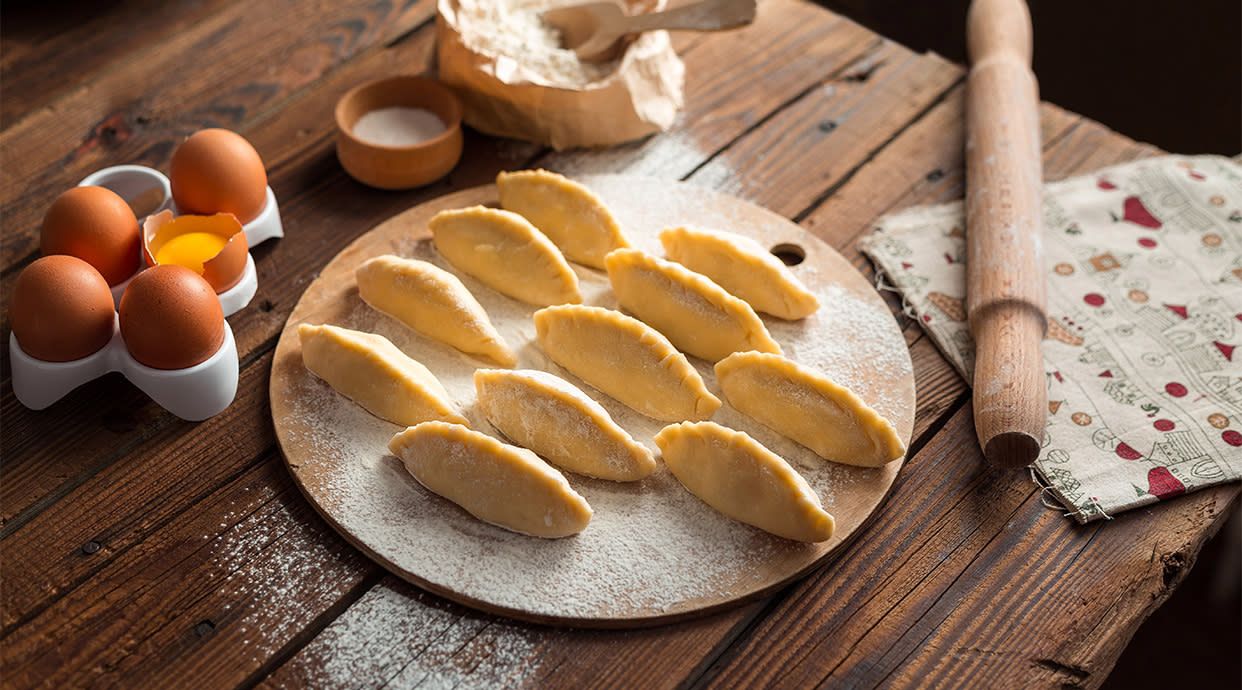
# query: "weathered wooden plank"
(196, 592)
(840, 121)
(923, 165)
(112, 510)
(48, 53)
(203, 76)
(1142, 559)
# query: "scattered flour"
(396, 638)
(651, 547)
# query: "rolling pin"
(1005, 291)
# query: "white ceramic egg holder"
(194, 393)
(130, 181)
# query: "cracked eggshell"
(222, 271)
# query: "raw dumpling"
(626, 359)
(550, 416)
(567, 212)
(738, 264)
(808, 408)
(735, 474)
(433, 302)
(509, 487)
(506, 253)
(697, 315)
(370, 370)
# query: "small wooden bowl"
(398, 167)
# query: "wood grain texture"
(139, 112)
(190, 599)
(149, 486)
(39, 45)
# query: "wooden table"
(145, 551)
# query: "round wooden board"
(653, 553)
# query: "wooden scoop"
(1005, 288)
(593, 30)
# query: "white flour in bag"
(511, 32)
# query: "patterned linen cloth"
(1144, 350)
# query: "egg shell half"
(221, 272)
(95, 225)
(218, 171)
(171, 318)
(61, 309)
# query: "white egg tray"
(130, 181)
(194, 393)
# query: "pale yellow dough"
(552, 417)
(370, 370)
(808, 408)
(433, 302)
(741, 266)
(696, 314)
(504, 485)
(737, 475)
(567, 212)
(626, 359)
(505, 252)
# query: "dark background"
(1170, 74)
(1165, 72)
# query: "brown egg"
(97, 226)
(61, 309)
(218, 171)
(171, 318)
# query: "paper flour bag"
(515, 81)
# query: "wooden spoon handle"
(1005, 285)
(707, 15)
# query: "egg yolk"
(191, 250)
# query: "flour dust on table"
(652, 550)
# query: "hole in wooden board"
(789, 254)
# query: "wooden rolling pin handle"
(1005, 285)
(1010, 434)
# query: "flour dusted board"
(652, 552)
